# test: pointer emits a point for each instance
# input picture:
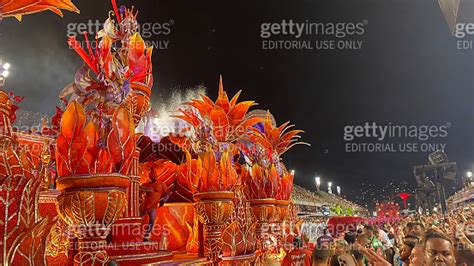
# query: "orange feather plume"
(225, 118)
(18, 8)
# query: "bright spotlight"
(6, 66)
(317, 179)
(5, 73)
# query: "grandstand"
(463, 198)
(320, 204)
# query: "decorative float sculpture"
(23, 231)
(224, 168)
(93, 179)
(268, 183)
(212, 176)
(96, 153)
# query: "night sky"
(408, 72)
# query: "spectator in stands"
(325, 241)
(342, 254)
(341, 247)
(412, 238)
(373, 241)
(358, 256)
(297, 256)
(417, 256)
(389, 252)
(383, 237)
(439, 249)
(415, 228)
(371, 257)
(350, 236)
(320, 256)
(405, 252)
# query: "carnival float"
(91, 189)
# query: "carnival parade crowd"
(414, 240)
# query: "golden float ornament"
(90, 204)
(264, 212)
(213, 210)
(93, 178)
(139, 101)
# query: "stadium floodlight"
(4, 72)
(317, 180)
